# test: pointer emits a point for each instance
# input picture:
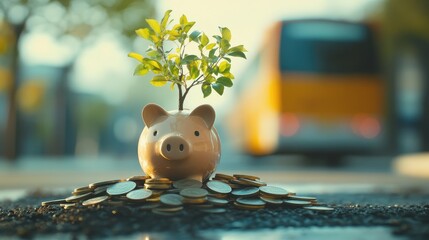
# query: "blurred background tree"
(75, 23)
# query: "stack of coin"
(158, 183)
(194, 195)
(166, 197)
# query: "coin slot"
(155, 133)
(197, 133)
(168, 147)
(181, 147)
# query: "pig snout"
(174, 148)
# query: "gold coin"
(223, 176)
(187, 183)
(158, 180)
(172, 199)
(250, 201)
(159, 186)
(77, 198)
(247, 207)
(273, 191)
(218, 187)
(254, 183)
(153, 199)
(235, 186)
(297, 203)
(238, 181)
(194, 192)
(81, 190)
(99, 184)
(273, 201)
(245, 192)
(217, 201)
(139, 194)
(121, 188)
(218, 195)
(311, 199)
(246, 176)
(319, 208)
(53, 202)
(194, 200)
(96, 200)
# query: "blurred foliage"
(77, 18)
(209, 68)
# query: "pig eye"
(196, 133)
(155, 133)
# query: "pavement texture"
(405, 214)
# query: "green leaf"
(224, 81)
(210, 46)
(189, 58)
(164, 20)
(188, 26)
(183, 20)
(228, 75)
(206, 89)
(158, 81)
(141, 70)
(218, 88)
(224, 45)
(239, 48)
(204, 40)
(226, 33)
(144, 33)
(153, 53)
(136, 56)
(224, 66)
(237, 54)
(212, 52)
(153, 63)
(194, 36)
(154, 25)
(210, 79)
(218, 38)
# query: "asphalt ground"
(405, 214)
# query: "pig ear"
(207, 113)
(151, 113)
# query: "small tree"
(209, 68)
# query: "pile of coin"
(166, 197)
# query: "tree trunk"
(12, 124)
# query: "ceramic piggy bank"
(179, 144)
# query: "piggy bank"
(179, 144)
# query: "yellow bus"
(314, 88)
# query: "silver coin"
(250, 201)
(187, 183)
(194, 192)
(273, 201)
(295, 197)
(78, 198)
(275, 191)
(245, 192)
(297, 203)
(171, 199)
(121, 188)
(139, 194)
(218, 187)
(103, 183)
(96, 200)
(217, 201)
